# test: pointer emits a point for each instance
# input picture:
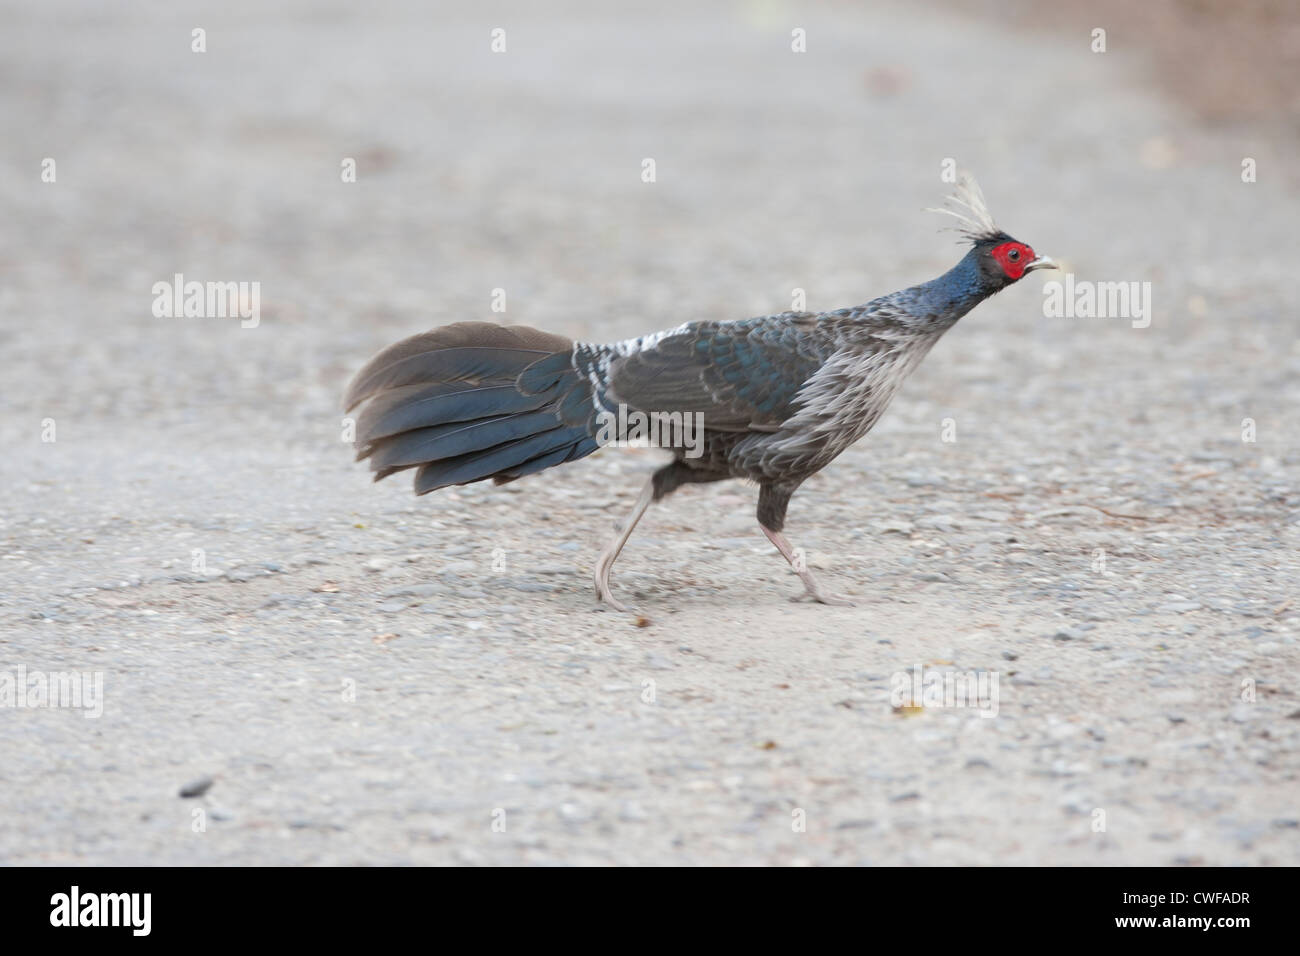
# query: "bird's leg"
(663, 482)
(605, 563)
(811, 588)
(773, 499)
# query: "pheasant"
(772, 399)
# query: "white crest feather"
(967, 206)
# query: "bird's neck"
(946, 299)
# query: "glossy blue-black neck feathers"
(946, 299)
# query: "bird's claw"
(604, 594)
(612, 601)
(823, 597)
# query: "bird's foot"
(824, 597)
(605, 563)
(604, 593)
(615, 603)
(811, 588)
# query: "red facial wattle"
(1013, 257)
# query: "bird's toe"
(825, 597)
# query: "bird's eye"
(1013, 255)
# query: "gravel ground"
(368, 677)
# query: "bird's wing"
(740, 376)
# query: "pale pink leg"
(811, 588)
(605, 563)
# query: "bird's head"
(1001, 259)
(1007, 260)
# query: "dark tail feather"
(499, 460)
(545, 374)
(464, 351)
(454, 439)
(579, 449)
(414, 406)
(555, 375)
(452, 403)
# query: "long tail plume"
(446, 402)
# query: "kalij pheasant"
(777, 397)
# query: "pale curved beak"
(1042, 262)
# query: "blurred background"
(521, 169)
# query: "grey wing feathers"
(741, 376)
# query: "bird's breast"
(837, 406)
